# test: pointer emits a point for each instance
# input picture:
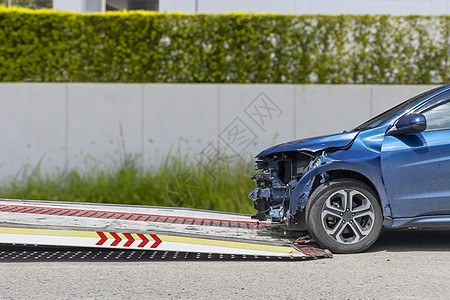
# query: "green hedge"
(237, 48)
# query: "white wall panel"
(385, 97)
(94, 125)
(80, 5)
(331, 7)
(253, 117)
(184, 6)
(216, 6)
(393, 7)
(178, 121)
(32, 128)
(70, 5)
(104, 123)
(324, 109)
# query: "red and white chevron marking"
(128, 240)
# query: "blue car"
(392, 171)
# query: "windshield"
(385, 116)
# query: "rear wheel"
(344, 216)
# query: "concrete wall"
(80, 5)
(85, 125)
(331, 7)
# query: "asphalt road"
(401, 265)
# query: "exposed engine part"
(276, 180)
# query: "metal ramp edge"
(49, 226)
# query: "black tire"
(344, 216)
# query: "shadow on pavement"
(412, 240)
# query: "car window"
(438, 117)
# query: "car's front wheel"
(344, 216)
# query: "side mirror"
(413, 123)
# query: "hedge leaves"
(48, 46)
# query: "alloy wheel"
(347, 216)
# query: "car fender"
(300, 194)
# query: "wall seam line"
(295, 112)
(66, 133)
(218, 118)
(142, 125)
(371, 102)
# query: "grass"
(216, 185)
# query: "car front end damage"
(276, 178)
(343, 188)
(280, 177)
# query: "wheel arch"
(349, 174)
(338, 170)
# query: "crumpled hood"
(313, 144)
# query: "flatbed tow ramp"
(146, 228)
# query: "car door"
(416, 167)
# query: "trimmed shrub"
(48, 46)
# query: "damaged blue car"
(392, 171)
